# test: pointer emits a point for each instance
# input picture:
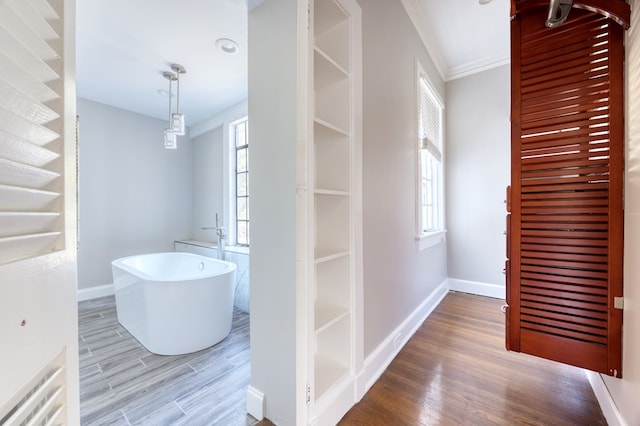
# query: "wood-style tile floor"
(121, 383)
(455, 371)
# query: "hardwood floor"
(455, 371)
(121, 383)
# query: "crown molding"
(476, 67)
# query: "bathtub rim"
(119, 263)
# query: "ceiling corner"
(476, 67)
(416, 14)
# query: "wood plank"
(455, 370)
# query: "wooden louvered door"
(564, 267)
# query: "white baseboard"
(255, 403)
(95, 292)
(607, 405)
(379, 360)
(481, 289)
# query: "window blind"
(430, 121)
(31, 148)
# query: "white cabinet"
(334, 163)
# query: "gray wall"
(211, 165)
(134, 195)
(397, 277)
(478, 172)
(208, 184)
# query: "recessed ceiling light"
(228, 46)
(484, 1)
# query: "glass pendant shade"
(176, 119)
(177, 123)
(170, 139)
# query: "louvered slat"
(16, 198)
(44, 400)
(30, 121)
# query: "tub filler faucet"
(222, 236)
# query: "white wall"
(478, 172)
(211, 165)
(397, 277)
(273, 85)
(625, 391)
(134, 195)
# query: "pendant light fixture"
(176, 119)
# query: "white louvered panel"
(34, 18)
(14, 124)
(44, 402)
(44, 9)
(14, 24)
(28, 108)
(18, 150)
(23, 81)
(24, 58)
(15, 198)
(25, 223)
(17, 174)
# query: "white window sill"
(430, 239)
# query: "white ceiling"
(123, 46)
(463, 36)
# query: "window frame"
(233, 175)
(429, 237)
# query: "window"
(430, 146)
(240, 138)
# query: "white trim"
(607, 404)
(255, 403)
(229, 178)
(481, 289)
(470, 68)
(381, 357)
(95, 292)
(431, 239)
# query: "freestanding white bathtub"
(174, 303)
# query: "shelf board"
(325, 125)
(328, 255)
(326, 69)
(328, 15)
(326, 316)
(331, 192)
(327, 374)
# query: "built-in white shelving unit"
(335, 165)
